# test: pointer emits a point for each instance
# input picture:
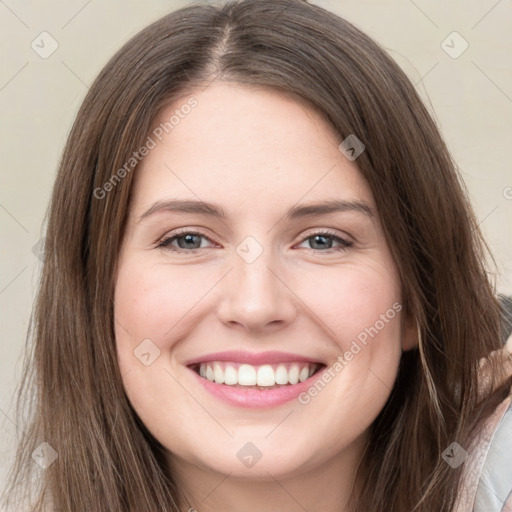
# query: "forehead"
(244, 146)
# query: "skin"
(256, 153)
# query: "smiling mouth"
(262, 377)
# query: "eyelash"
(166, 242)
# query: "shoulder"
(487, 473)
(494, 492)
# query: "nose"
(257, 295)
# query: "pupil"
(316, 237)
(187, 240)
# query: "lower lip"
(256, 398)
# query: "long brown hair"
(72, 388)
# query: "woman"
(259, 370)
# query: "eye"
(321, 241)
(185, 240)
(191, 241)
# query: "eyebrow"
(299, 211)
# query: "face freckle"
(322, 286)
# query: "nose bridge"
(255, 293)
(253, 262)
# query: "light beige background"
(470, 97)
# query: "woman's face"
(268, 292)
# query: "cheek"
(155, 302)
(355, 301)
(154, 307)
(361, 309)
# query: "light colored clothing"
(495, 486)
(487, 471)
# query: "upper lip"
(255, 359)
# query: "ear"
(409, 333)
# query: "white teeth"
(218, 373)
(281, 375)
(293, 374)
(246, 375)
(230, 376)
(265, 375)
